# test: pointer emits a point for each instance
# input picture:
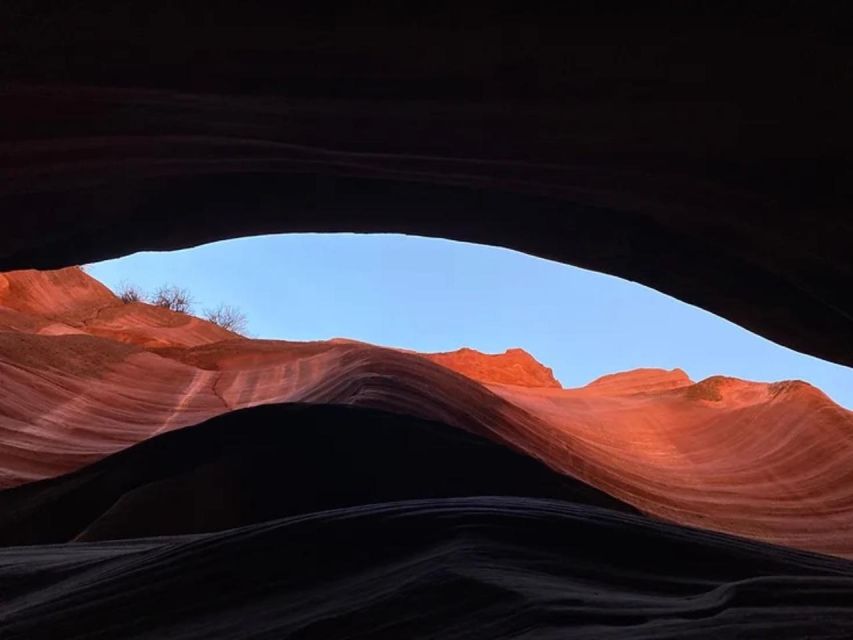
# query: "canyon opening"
(420, 322)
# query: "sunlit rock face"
(702, 153)
(83, 375)
(68, 301)
(639, 381)
(514, 366)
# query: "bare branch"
(174, 298)
(128, 293)
(228, 317)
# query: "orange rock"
(513, 366)
(83, 375)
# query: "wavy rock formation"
(767, 461)
(480, 567)
(686, 166)
(638, 381)
(238, 468)
(68, 301)
(703, 151)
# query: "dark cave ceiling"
(706, 155)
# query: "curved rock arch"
(704, 155)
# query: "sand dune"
(766, 461)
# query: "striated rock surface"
(68, 301)
(230, 471)
(639, 381)
(766, 461)
(685, 166)
(478, 567)
(701, 152)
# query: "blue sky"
(437, 295)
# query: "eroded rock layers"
(86, 375)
